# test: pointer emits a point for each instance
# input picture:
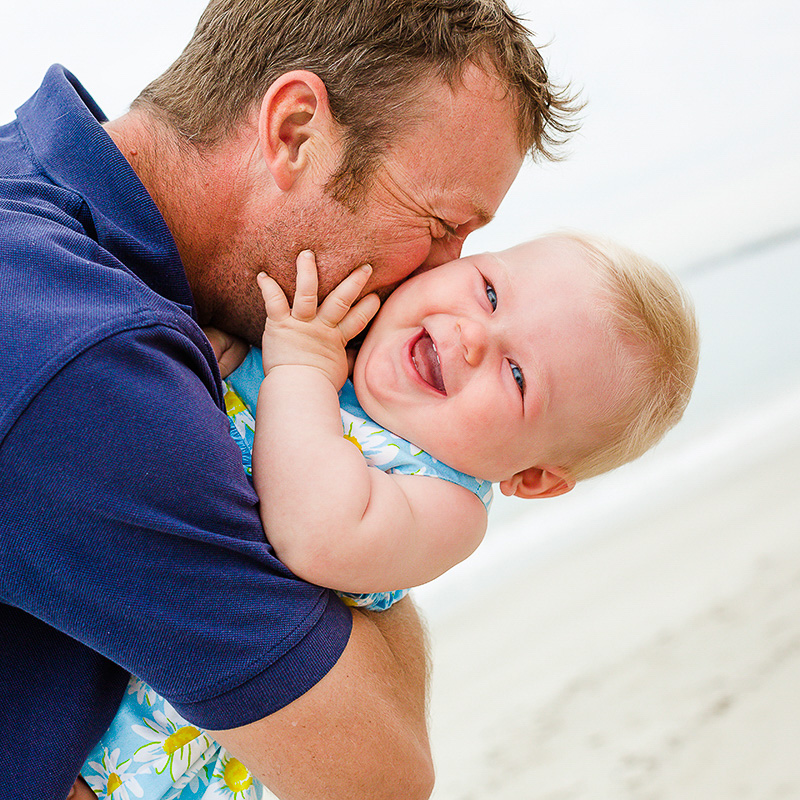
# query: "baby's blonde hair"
(651, 319)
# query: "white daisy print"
(195, 779)
(113, 779)
(376, 446)
(233, 781)
(171, 743)
(144, 694)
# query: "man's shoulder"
(55, 270)
(62, 292)
(40, 222)
(26, 190)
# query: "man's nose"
(448, 248)
(474, 340)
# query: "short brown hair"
(651, 318)
(371, 54)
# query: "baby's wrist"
(302, 372)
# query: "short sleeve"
(138, 534)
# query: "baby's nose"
(473, 340)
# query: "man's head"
(534, 367)
(375, 58)
(385, 131)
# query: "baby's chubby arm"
(331, 518)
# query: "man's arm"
(156, 560)
(361, 732)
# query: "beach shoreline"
(656, 660)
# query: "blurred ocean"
(688, 151)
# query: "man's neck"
(195, 191)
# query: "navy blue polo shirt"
(129, 536)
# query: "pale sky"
(689, 142)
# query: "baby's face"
(489, 361)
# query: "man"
(368, 131)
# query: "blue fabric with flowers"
(381, 448)
(384, 450)
(151, 752)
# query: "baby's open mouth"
(426, 361)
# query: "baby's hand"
(229, 350)
(311, 336)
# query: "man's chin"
(385, 291)
(423, 268)
(248, 330)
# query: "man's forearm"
(405, 635)
(361, 732)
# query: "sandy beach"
(659, 660)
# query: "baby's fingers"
(274, 299)
(335, 306)
(304, 306)
(359, 316)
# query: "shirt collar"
(63, 125)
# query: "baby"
(532, 368)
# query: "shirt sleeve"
(137, 533)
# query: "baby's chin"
(452, 455)
(376, 409)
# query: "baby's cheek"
(461, 446)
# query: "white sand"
(660, 661)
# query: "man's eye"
(518, 377)
(441, 229)
(491, 294)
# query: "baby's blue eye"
(492, 295)
(518, 377)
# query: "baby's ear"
(538, 482)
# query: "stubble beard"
(330, 228)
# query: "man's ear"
(294, 119)
(538, 482)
